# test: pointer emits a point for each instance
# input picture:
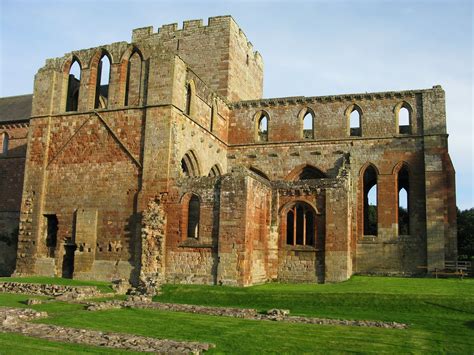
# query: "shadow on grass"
(469, 324)
(447, 307)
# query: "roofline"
(342, 97)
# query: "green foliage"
(465, 221)
(439, 314)
(371, 229)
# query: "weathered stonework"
(177, 170)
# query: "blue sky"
(309, 48)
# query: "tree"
(465, 221)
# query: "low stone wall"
(15, 320)
(246, 313)
(59, 291)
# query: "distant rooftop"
(15, 108)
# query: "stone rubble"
(60, 292)
(246, 313)
(15, 320)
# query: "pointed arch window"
(403, 186)
(370, 201)
(262, 126)
(103, 80)
(5, 141)
(194, 212)
(404, 120)
(215, 171)
(190, 165)
(134, 79)
(354, 122)
(73, 86)
(308, 125)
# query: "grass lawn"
(440, 314)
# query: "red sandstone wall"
(12, 167)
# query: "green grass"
(104, 287)
(440, 314)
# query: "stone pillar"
(85, 238)
(231, 245)
(338, 259)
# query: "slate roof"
(15, 108)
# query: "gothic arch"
(190, 165)
(71, 85)
(298, 224)
(259, 172)
(101, 92)
(261, 132)
(305, 172)
(215, 171)
(134, 68)
(356, 131)
(307, 133)
(191, 214)
(406, 128)
(287, 206)
(368, 176)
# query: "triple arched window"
(301, 225)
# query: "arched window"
(134, 79)
(5, 140)
(102, 85)
(403, 201)
(370, 201)
(308, 126)
(215, 171)
(262, 127)
(310, 173)
(404, 120)
(73, 86)
(300, 225)
(193, 217)
(306, 172)
(354, 121)
(190, 165)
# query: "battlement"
(296, 100)
(190, 27)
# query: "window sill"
(368, 239)
(307, 248)
(193, 243)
